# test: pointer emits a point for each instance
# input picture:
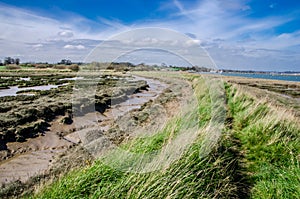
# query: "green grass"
(257, 156)
(271, 143)
(189, 176)
(155, 142)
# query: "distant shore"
(295, 77)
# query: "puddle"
(12, 91)
(72, 78)
(24, 79)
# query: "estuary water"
(12, 91)
(294, 78)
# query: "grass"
(256, 156)
(270, 141)
(183, 177)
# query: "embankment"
(255, 155)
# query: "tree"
(8, 60)
(65, 62)
(17, 61)
(163, 65)
(68, 62)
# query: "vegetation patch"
(256, 156)
(269, 140)
(190, 176)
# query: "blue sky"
(237, 34)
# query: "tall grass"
(256, 156)
(192, 175)
(270, 140)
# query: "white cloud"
(22, 26)
(211, 19)
(66, 34)
(39, 38)
(235, 39)
(224, 28)
(74, 47)
(193, 42)
(37, 45)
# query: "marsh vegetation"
(256, 154)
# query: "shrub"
(60, 66)
(41, 66)
(12, 67)
(74, 67)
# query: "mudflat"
(37, 126)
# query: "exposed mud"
(35, 156)
(98, 133)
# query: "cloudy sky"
(237, 34)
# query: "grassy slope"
(270, 141)
(257, 156)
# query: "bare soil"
(54, 151)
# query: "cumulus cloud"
(40, 38)
(74, 47)
(65, 34)
(193, 42)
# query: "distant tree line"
(10, 60)
(14, 63)
(117, 66)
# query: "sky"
(237, 34)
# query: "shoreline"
(22, 166)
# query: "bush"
(41, 66)
(12, 67)
(74, 67)
(27, 65)
(60, 66)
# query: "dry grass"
(256, 155)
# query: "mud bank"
(35, 156)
